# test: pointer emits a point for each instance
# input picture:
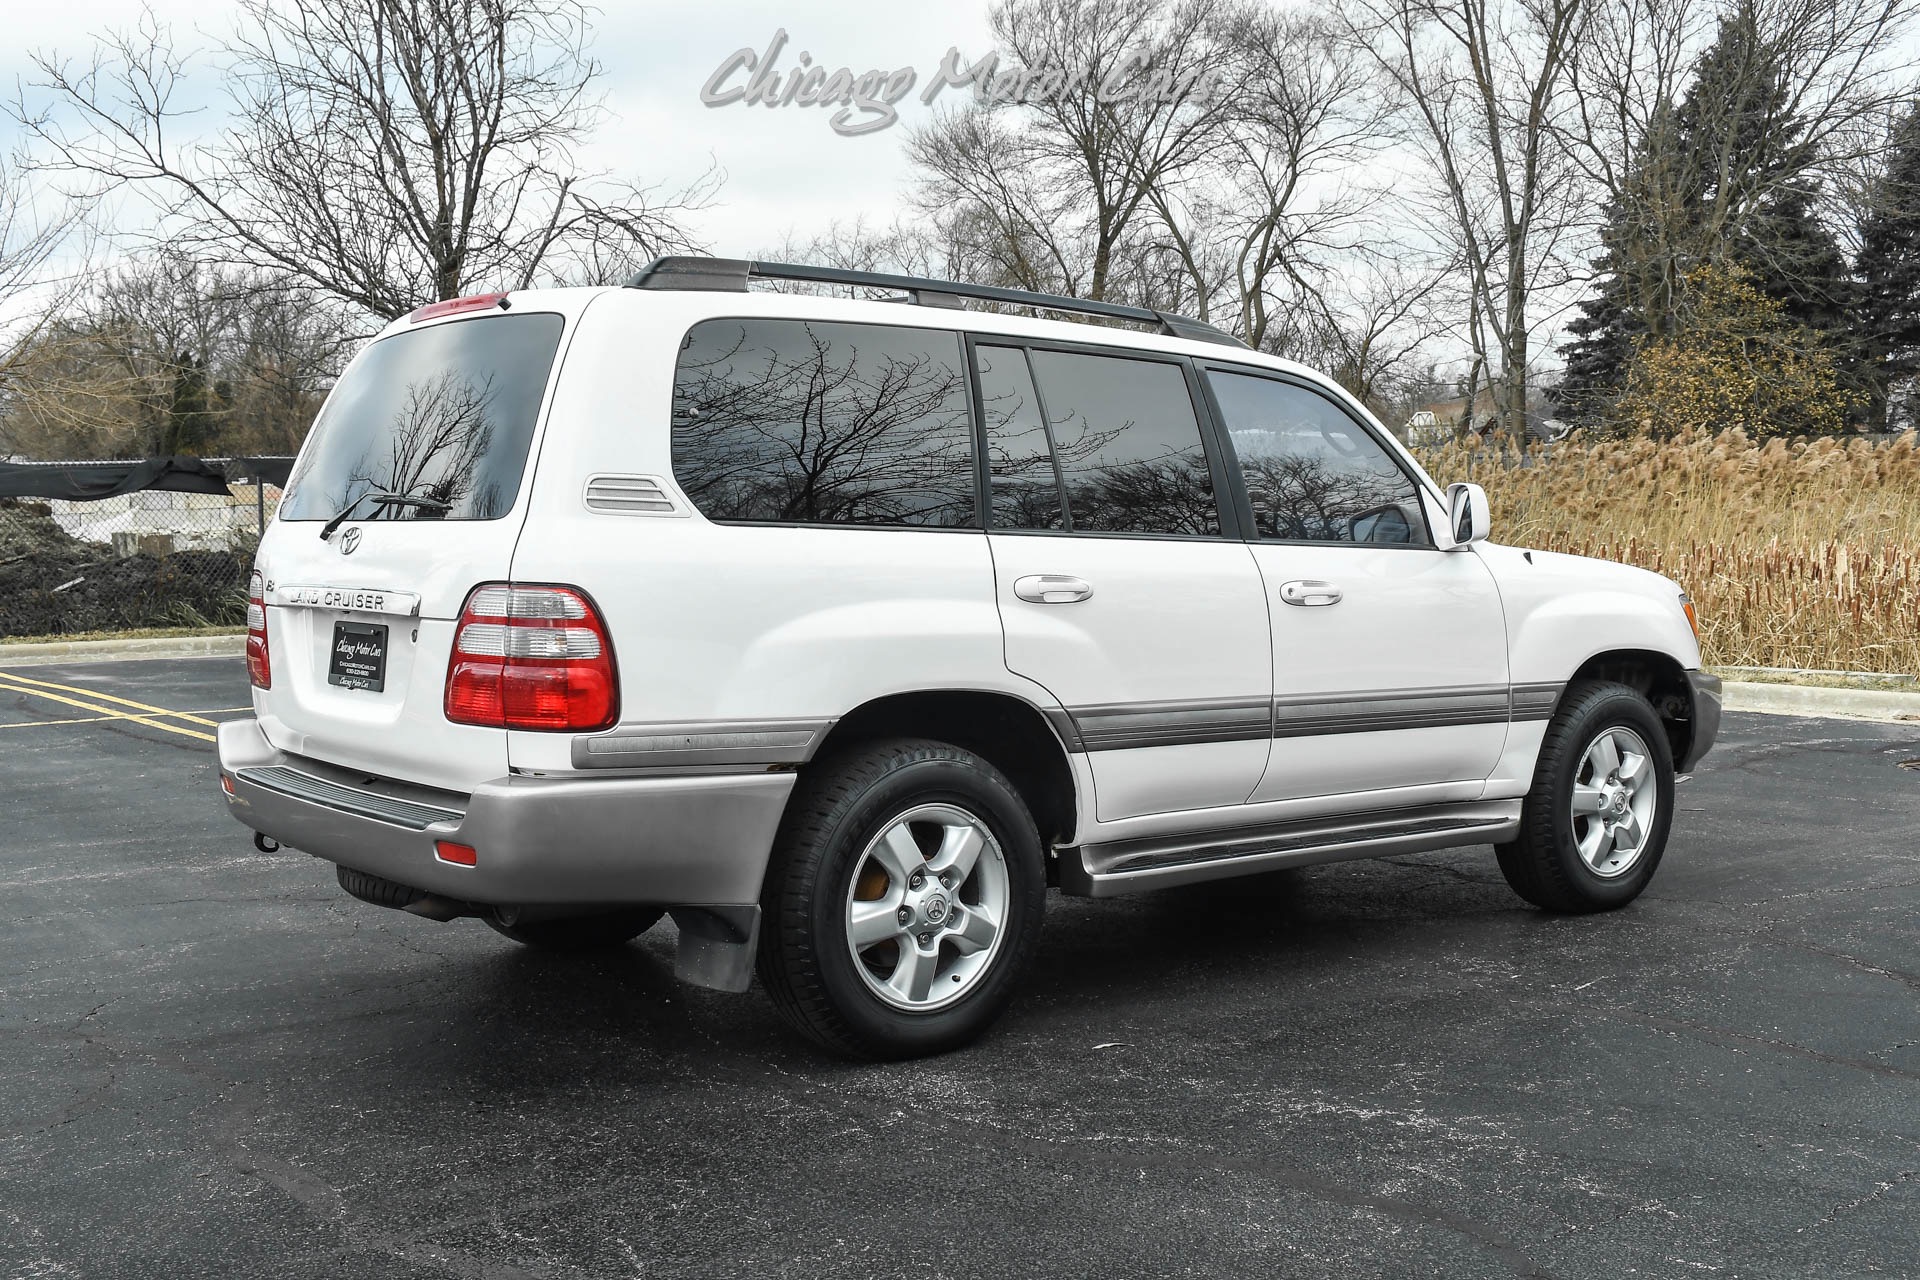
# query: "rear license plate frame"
(358, 657)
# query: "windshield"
(444, 413)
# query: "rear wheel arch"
(1007, 731)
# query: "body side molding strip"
(691, 743)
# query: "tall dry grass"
(1797, 553)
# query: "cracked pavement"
(213, 1062)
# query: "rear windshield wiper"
(380, 499)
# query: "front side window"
(1127, 444)
(1313, 473)
(444, 413)
(815, 422)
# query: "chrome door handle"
(1052, 588)
(1309, 593)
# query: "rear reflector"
(259, 662)
(226, 784)
(476, 302)
(460, 855)
(532, 657)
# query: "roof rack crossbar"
(732, 275)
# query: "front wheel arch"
(1658, 677)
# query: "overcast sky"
(785, 168)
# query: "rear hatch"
(360, 624)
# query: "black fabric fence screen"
(131, 544)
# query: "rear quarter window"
(446, 412)
(814, 422)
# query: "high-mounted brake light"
(475, 302)
(259, 662)
(532, 657)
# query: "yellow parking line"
(7, 683)
(103, 697)
(118, 715)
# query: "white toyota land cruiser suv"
(840, 630)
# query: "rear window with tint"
(446, 412)
(1127, 444)
(817, 422)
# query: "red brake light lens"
(532, 657)
(475, 302)
(259, 661)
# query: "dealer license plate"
(359, 658)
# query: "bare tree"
(31, 237)
(388, 152)
(1253, 230)
(1051, 193)
(1485, 91)
(165, 354)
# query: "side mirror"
(1467, 517)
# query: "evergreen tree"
(1603, 333)
(1889, 270)
(193, 413)
(1725, 179)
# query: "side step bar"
(1130, 866)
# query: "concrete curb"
(33, 655)
(1809, 700)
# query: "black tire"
(581, 933)
(1543, 864)
(838, 808)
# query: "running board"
(1160, 862)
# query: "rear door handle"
(1052, 588)
(1309, 593)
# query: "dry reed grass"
(1797, 553)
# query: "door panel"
(1117, 589)
(1401, 683)
(1389, 656)
(1163, 667)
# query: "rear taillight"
(259, 663)
(531, 657)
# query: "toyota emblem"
(350, 542)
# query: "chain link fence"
(129, 560)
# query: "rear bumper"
(1704, 692)
(698, 840)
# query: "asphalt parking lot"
(214, 1063)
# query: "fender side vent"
(630, 496)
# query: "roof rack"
(730, 275)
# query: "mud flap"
(717, 945)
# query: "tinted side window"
(1127, 443)
(811, 422)
(1026, 491)
(1312, 472)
